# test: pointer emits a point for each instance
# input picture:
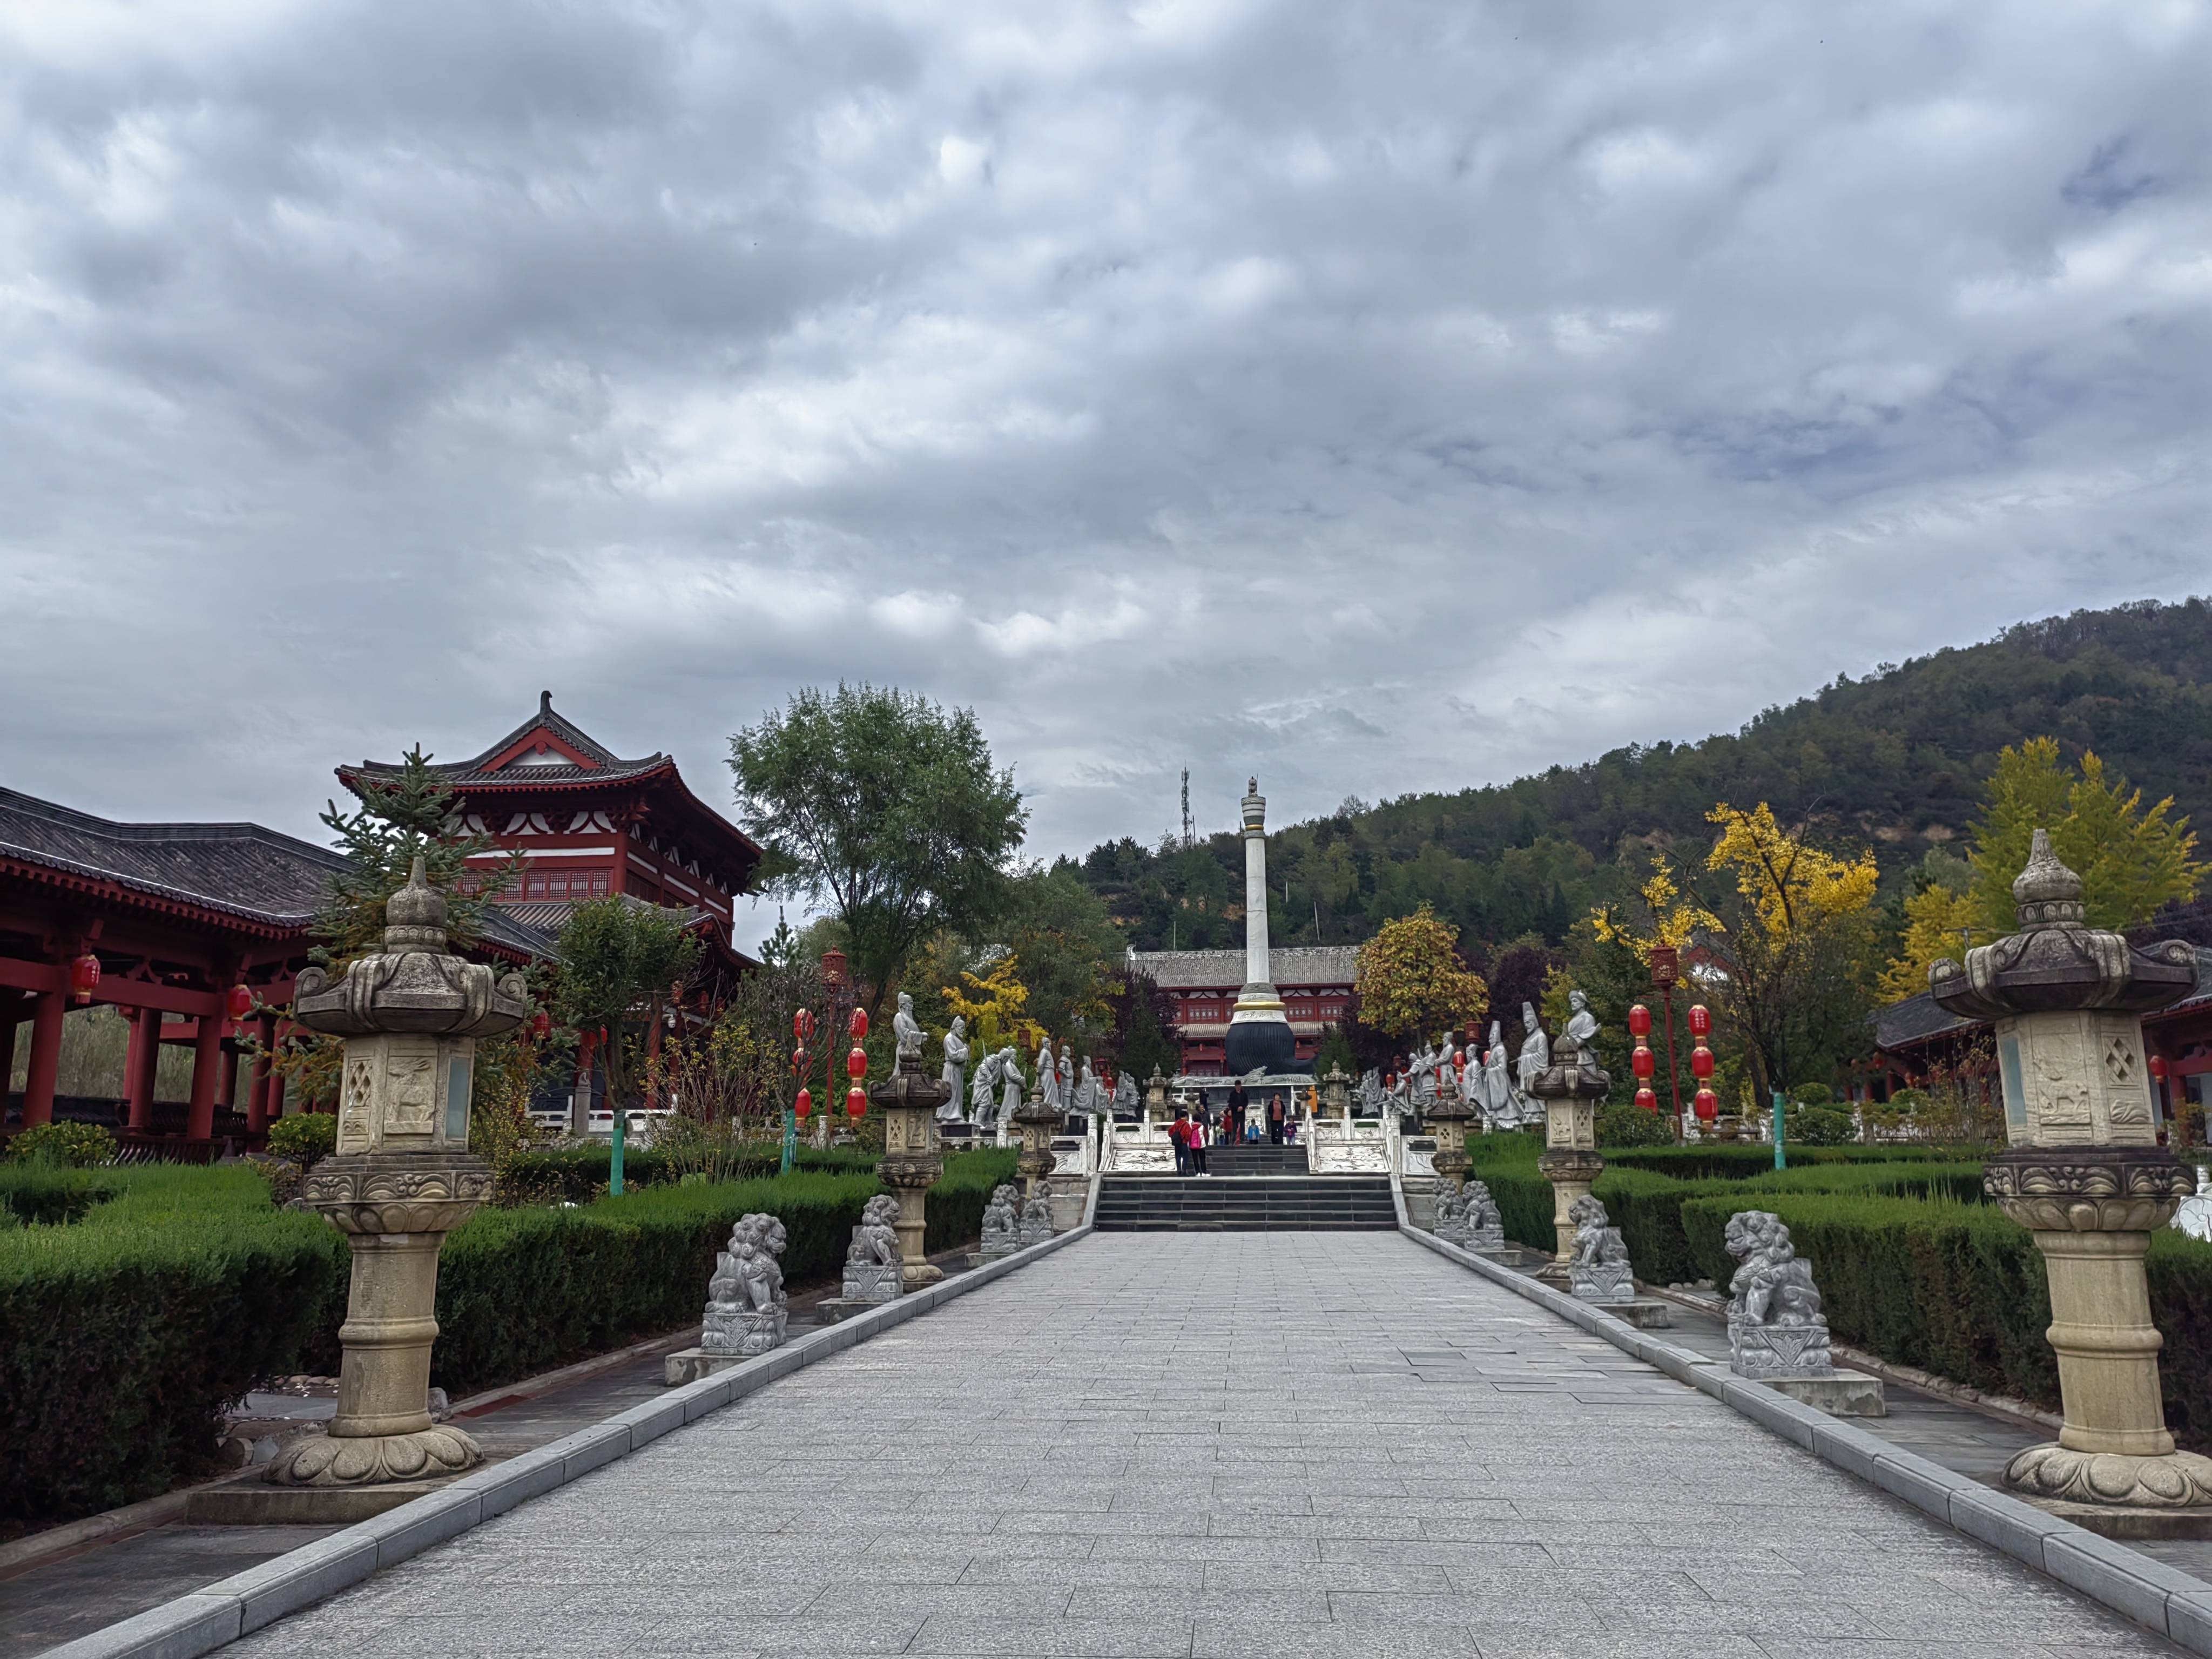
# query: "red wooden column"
(257, 1098)
(45, 1057)
(207, 1064)
(11, 1011)
(139, 1069)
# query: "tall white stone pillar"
(1259, 1036)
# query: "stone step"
(1245, 1204)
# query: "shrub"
(1817, 1126)
(304, 1137)
(1632, 1126)
(74, 1145)
(957, 1201)
(51, 1194)
(577, 1175)
(1812, 1093)
(123, 1336)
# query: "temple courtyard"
(1219, 1444)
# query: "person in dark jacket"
(1275, 1115)
(1179, 1132)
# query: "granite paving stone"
(1212, 1446)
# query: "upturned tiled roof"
(240, 868)
(1291, 965)
(608, 767)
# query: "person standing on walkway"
(1198, 1149)
(1179, 1132)
(1275, 1115)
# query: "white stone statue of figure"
(955, 1074)
(1470, 1079)
(1578, 1043)
(1048, 1076)
(906, 1035)
(1086, 1088)
(1009, 1083)
(1124, 1092)
(1067, 1076)
(1497, 1097)
(983, 1092)
(1535, 1048)
(1369, 1093)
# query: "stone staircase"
(1245, 1203)
(1261, 1159)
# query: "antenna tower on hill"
(1189, 836)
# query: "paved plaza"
(1227, 1444)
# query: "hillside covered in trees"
(1894, 762)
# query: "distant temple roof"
(1292, 964)
(1918, 1020)
(267, 880)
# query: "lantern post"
(1641, 1061)
(401, 1177)
(1665, 963)
(913, 1160)
(1707, 1104)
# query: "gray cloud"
(1377, 398)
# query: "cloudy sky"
(1376, 397)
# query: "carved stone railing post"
(913, 1159)
(401, 1179)
(2085, 1174)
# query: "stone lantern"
(1156, 1096)
(2084, 1173)
(1446, 1119)
(1336, 1095)
(401, 1179)
(1038, 1120)
(913, 1159)
(1571, 1088)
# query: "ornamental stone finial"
(2049, 894)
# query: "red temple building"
(1314, 981)
(590, 824)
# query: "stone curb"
(2161, 1598)
(211, 1617)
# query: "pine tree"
(403, 816)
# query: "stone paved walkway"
(1233, 1444)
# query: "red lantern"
(240, 1003)
(1701, 1020)
(84, 976)
(802, 1024)
(1707, 1105)
(541, 1026)
(803, 1108)
(2158, 1066)
(1701, 1062)
(856, 1064)
(856, 1101)
(1643, 1062)
(1646, 1100)
(858, 1025)
(1640, 1021)
(801, 1062)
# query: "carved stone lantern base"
(2178, 1481)
(1571, 1172)
(743, 1332)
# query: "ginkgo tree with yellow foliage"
(1411, 982)
(2131, 861)
(992, 1004)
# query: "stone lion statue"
(1478, 1207)
(1772, 1286)
(748, 1274)
(1037, 1217)
(1002, 1219)
(1598, 1242)
(875, 1241)
(1451, 1207)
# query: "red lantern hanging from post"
(802, 1024)
(856, 1101)
(1701, 1063)
(1643, 1063)
(1707, 1105)
(803, 1108)
(858, 1025)
(1701, 1020)
(1646, 1100)
(856, 1064)
(1640, 1021)
(84, 976)
(239, 1003)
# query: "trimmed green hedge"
(578, 1175)
(123, 1336)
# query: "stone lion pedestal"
(1777, 1333)
(748, 1310)
(2085, 1174)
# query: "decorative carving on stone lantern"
(1445, 1117)
(2084, 1173)
(401, 1178)
(1038, 1118)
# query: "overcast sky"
(1377, 397)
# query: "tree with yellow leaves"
(1789, 952)
(992, 1005)
(1410, 980)
(1939, 923)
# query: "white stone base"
(1841, 1393)
(874, 1281)
(1602, 1284)
(743, 1334)
(689, 1364)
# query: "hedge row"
(1648, 1207)
(123, 1336)
(578, 1175)
(167, 1292)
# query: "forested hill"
(1895, 760)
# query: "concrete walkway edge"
(231, 1608)
(2161, 1598)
